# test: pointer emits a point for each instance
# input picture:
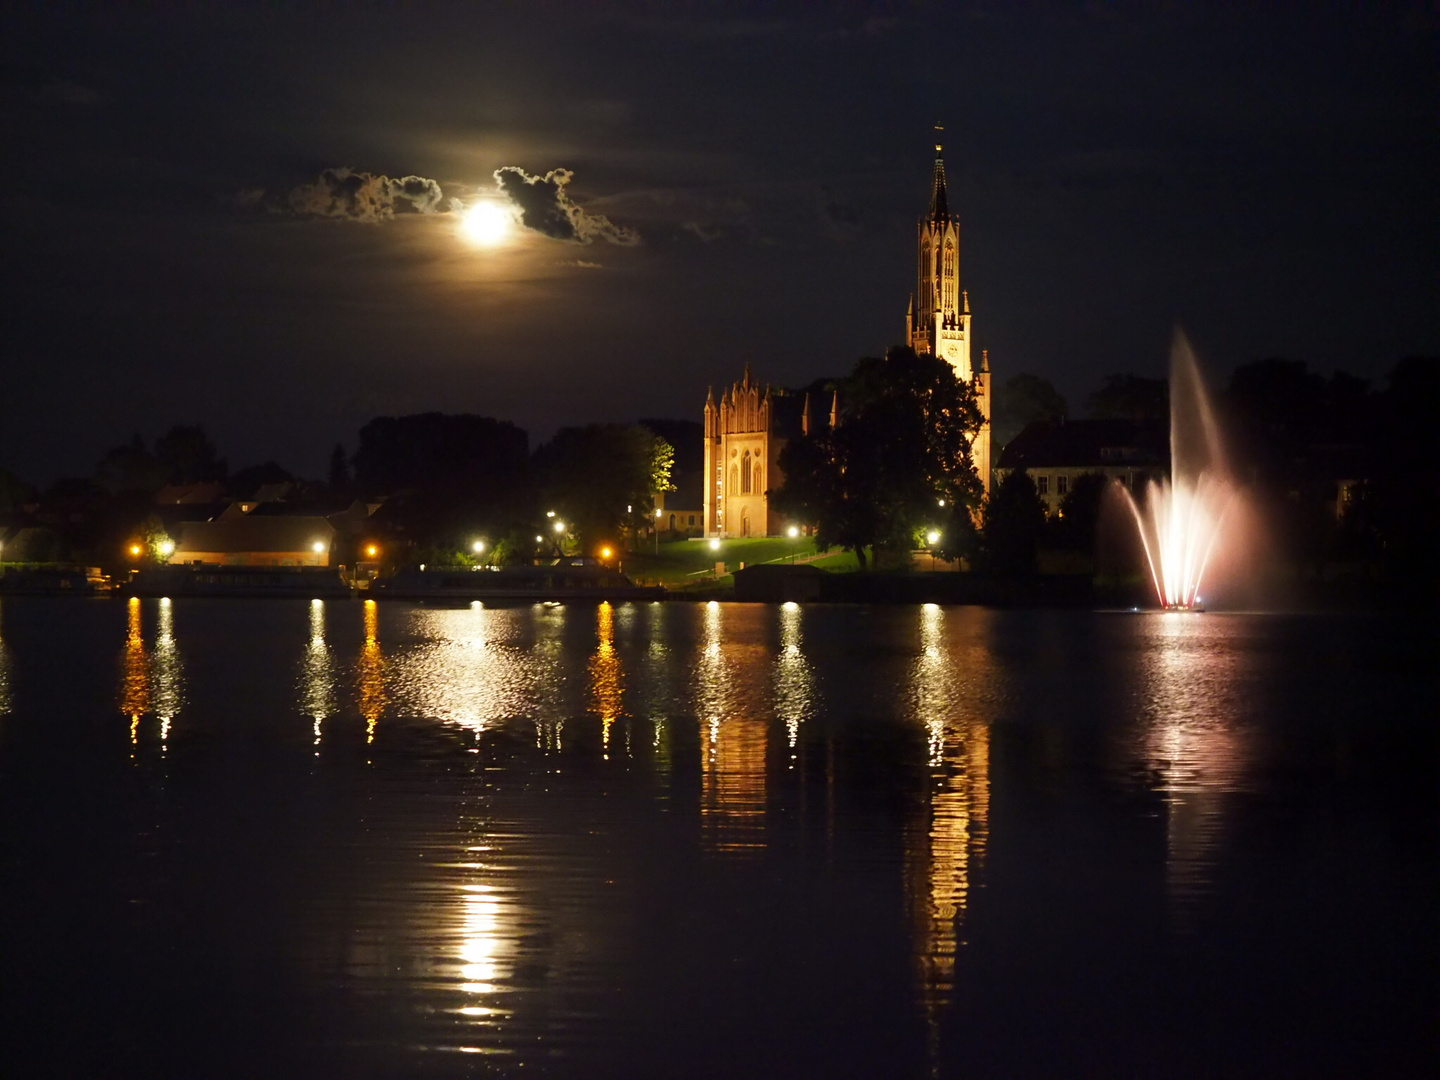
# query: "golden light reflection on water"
(169, 672)
(794, 680)
(605, 685)
(317, 676)
(730, 676)
(470, 667)
(151, 681)
(480, 940)
(371, 673)
(134, 672)
(1194, 745)
(5, 705)
(947, 847)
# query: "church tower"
(938, 322)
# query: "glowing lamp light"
(793, 532)
(487, 224)
(942, 502)
(167, 547)
(478, 546)
(932, 537)
(372, 551)
(605, 553)
(318, 546)
(560, 526)
(715, 543)
(134, 549)
(539, 539)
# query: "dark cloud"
(545, 206)
(70, 93)
(703, 232)
(361, 196)
(840, 219)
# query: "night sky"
(182, 242)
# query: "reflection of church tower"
(938, 322)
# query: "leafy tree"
(1076, 526)
(130, 467)
(338, 474)
(1022, 400)
(448, 477)
(901, 450)
(590, 475)
(155, 540)
(1402, 503)
(1130, 397)
(687, 437)
(187, 456)
(14, 493)
(247, 481)
(1014, 524)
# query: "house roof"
(1087, 444)
(251, 533)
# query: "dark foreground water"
(279, 838)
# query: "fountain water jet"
(1184, 521)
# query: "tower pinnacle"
(939, 204)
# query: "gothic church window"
(734, 480)
(745, 473)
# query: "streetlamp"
(793, 532)
(658, 512)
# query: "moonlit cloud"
(546, 207)
(360, 196)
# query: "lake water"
(275, 838)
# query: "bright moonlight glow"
(487, 224)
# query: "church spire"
(939, 205)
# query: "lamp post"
(658, 512)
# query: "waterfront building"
(750, 424)
(1058, 452)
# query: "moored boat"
(55, 581)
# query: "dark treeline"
(1346, 473)
(433, 485)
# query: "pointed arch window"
(949, 274)
(927, 278)
(745, 473)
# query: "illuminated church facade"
(938, 321)
(749, 426)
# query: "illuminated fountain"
(1188, 520)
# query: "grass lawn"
(692, 562)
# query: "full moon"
(487, 224)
